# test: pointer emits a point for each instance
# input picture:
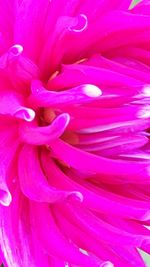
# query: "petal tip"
(144, 113)
(107, 264)
(75, 195)
(16, 49)
(81, 24)
(63, 119)
(92, 90)
(26, 114)
(5, 198)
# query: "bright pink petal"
(31, 134)
(78, 95)
(53, 241)
(34, 184)
(100, 200)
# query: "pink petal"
(100, 200)
(18, 68)
(92, 163)
(8, 148)
(29, 15)
(53, 241)
(73, 75)
(78, 95)
(31, 134)
(6, 23)
(12, 104)
(65, 26)
(34, 184)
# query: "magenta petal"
(34, 184)
(74, 133)
(11, 104)
(78, 95)
(65, 26)
(92, 163)
(75, 74)
(54, 242)
(7, 23)
(46, 134)
(16, 229)
(86, 242)
(8, 148)
(5, 195)
(100, 200)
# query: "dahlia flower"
(74, 133)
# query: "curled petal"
(14, 52)
(12, 55)
(33, 182)
(18, 68)
(65, 27)
(118, 25)
(8, 148)
(5, 195)
(81, 25)
(26, 114)
(43, 135)
(11, 104)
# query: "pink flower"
(74, 133)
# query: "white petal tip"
(26, 114)
(16, 50)
(92, 90)
(107, 264)
(146, 216)
(144, 113)
(5, 198)
(146, 90)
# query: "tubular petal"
(73, 75)
(101, 230)
(26, 114)
(78, 95)
(8, 148)
(11, 104)
(31, 134)
(54, 242)
(101, 200)
(5, 195)
(34, 184)
(79, 236)
(73, 156)
(64, 27)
